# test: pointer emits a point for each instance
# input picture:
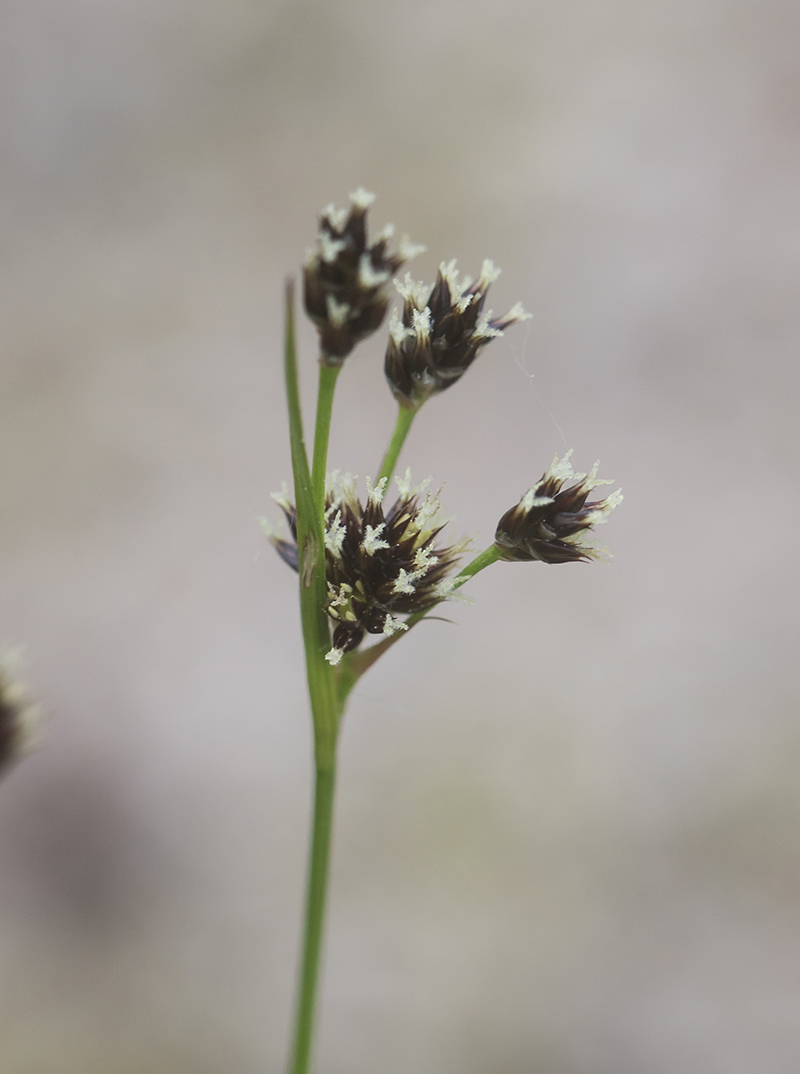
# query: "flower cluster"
(551, 521)
(441, 332)
(19, 715)
(345, 280)
(380, 564)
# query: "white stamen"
(404, 485)
(341, 487)
(591, 480)
(337, 311)
(334, 656)
(372, 541)
(427, 514)
(375, 495)
(413, 291)
(404, 582)
(337, 218)
(368, 275)
(392, 625)
(361, 198)
(449, 274)
(422, 323)
(270, 530)
(386, 233)
(424, 559)
(328, 247)
(397, 330)
(338, 599)
(562, 470)
(335, 533)
(489, 273)
(605, 508)
(517, 313)
(282, 498)
(483, 329)
(407, 249)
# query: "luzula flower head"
(551, 522)
(441, 332)
(345, 280)
(19, 715)
(380, 564)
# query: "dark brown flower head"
(19, 716)
(551, 523)
(380, 564)
(441, 332)
(345, 280)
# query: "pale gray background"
(568, 826)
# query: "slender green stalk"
(483, 559)
(405, 415)
(325, 705)
(327, 383)
(315, 913)
(311, 564)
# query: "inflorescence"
(551, 523)
(440, 332)
(345, 280)
(380, 564)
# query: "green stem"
(325, 706)
(483, 559)
(405, 415)
(328, 375)
(315, 913)
(311, 562)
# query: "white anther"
(372, 541)
(368, 275)
(404, 582)
(422, 323)
(282, 498)
(335, 533)
(375, 495)
(489, 273)
(337, 311)
(329, 248)
(406, 249)
(337, 218)
(397, 330)
(361, 198)
(392, 625)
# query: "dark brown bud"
(345, 281)
(441, 332)
(551, 523)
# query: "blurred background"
(567, 827)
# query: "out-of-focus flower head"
(380, 564)
(552, 522)
(345, 280)
(19, 714)
(441, 331)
